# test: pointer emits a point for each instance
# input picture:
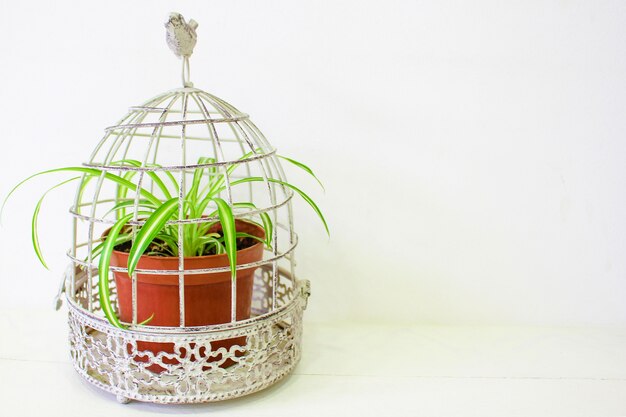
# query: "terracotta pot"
(207, 296)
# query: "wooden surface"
(357, 369)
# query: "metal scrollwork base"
(188, 366)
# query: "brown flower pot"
(207, 296)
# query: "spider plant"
(159, 232)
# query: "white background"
(473, 152)
(473, 155)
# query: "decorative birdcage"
(176, 135)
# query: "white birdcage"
(191, 359)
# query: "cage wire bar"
(267, 344)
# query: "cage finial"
(181, 38)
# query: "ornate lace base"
(181, 365)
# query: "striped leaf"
(91, 172)
(153, 225)
(81, 190)
(34, 232)
(227, 220)
(211, 240)
(103, 268)
(217, 184)
(302, 194)
(170, 241)
(303, 167)
(122, 192)
(142, 203)
(122, 238)
(241, 234)
(153, 175)
(268, 226)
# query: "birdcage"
(188, 331)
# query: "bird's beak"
(173, 16)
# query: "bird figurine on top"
(180, 35)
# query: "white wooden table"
(356, 369)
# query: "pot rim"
(203, 257)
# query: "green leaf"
(302, 194)
(122, 192)
(153, 175)
(148, 320)
(34, 232)
(103, 268)
(83, 185)
(139, 164)
(170, 242)
(217, 184)
(265, 218)
(131, 203)
(192, 194)
(211, 172)
(91, 172)
(304, 167)
(122, 238)
(242, 234)
(211, 240)
(153, 225)
(227, 220)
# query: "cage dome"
(178, 143)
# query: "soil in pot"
(207, 295)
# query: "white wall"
(473, 152)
